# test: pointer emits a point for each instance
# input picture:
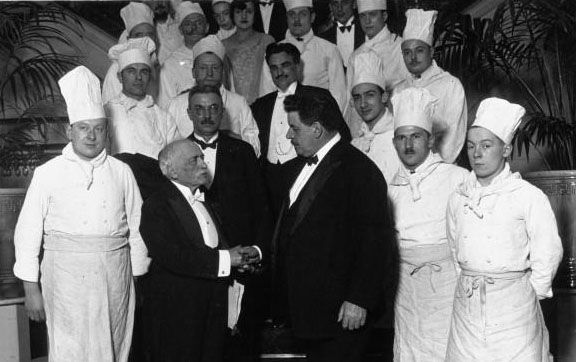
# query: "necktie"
(205, 145)
(345, 28)
(311, 160)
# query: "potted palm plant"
(34, 41)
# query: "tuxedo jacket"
(330, 33)
(146, 171)
(263, 108)
(278, 24)
(182, 292)
(237, 195)
(335, 243)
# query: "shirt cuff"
(224, 264)
(259, 251)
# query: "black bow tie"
(300, 39)
(344, 28)
(205, 145)
(311, 160)
(265, 3)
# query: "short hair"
(241, 5)
(276, 48)
(203, 89)
(315, 105)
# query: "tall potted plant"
(32, 36)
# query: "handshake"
(245, 258)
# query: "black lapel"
(315, 184)
(331, 33)
(184, 213)
(222, 160)
(359, 36)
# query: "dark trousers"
(346, 346)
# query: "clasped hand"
(244, 257)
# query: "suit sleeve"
(170, 249)
(371, 224)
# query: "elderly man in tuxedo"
(185, 293)
(333, 246)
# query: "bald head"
(182, 161)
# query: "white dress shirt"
(209, 154)
(345, 40)
(237, 117)
(139, 126)
(323, 67)
(266, 12)
(280, 149)
(209, 231)
(450, 112)
(76, 198)
(308, 170)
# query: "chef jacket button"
(489, 261)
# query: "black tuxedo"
(278, 24)
(335, 243)
(237, 193)
(146, 172)
(185, 303)
(262, 110)
(359, 36)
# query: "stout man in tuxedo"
(333, 245)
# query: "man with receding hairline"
(185, 294)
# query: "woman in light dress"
(246, 50)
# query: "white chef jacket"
(507, 226)
(378, 145)
(387, 47)
(237, 117)
(139, 126)
(450, 112)
(73, 197)
(323, 67)
(176, 75)
(420, 199)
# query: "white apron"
(424, 303)
(497, 317)
(88, 297)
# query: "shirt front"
(266, 12)
(323, 67)
(308, 170)
(207, 226)
(72, 197)
(237, 117)
(139, 126)
(209, 154)
(345, 39)
(280, 149)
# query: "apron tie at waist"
(429, 257)
(473, 280)
(83, 243)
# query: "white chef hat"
(368, 68)
(420, 25)
(81, 91)
(221, 1)
(413, 107)
(135, 50)
(186, 8)
(209, 43)
(293, 4)
(499, 117)
(371, 5)
(136, 13)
